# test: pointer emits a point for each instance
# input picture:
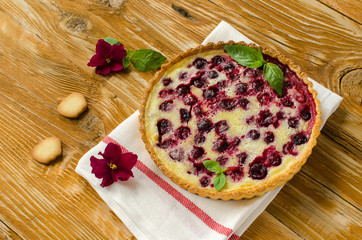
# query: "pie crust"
(182, 172)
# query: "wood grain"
(44, 49)
(6, 233)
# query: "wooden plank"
(315, 212)
(6, 233)
(350, 8)
(268, 225)
(47, 60)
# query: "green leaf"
(219, 181)
(126, 59)
(212, 166)
(246, 56)
(274, 75)
(111, 41)
(147, 59)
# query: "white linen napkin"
(153, 207)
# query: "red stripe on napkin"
(187, 203)
(234, 237)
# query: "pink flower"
(108, 57)
(114, 165)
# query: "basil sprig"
(146, 59)
(249, 57)
(142, 59)
(111, 41)
(220, 179)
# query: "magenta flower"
(108, 57)
(114, 165)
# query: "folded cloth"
(153, 207)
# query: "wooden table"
(44, 50)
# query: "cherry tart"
(204, 107)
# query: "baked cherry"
(204, 125)
(288, 84)
(198, 110)
(190, 99)
(199, 82)
(281, 115)
(177, 154)
(263, 98)
(221, 144)
(233, 76)
(182, 132)
(222, 84)
(299, 138)
(272, 157)
(222, 160)
(300, 98)
(253, 134)
(250, 73)
(166, 106)
(228, 103)
(164, 126)
(258, 85)
(275, 159)
(265, 118)
(199, 63)
(286, 102)
(185, 115)
(244, 103)
(293, 122)
(196, 153)
(183, 75)
(200, 168)
(167, 143)
(229, 67)
(166, 81)
(236, 173)
(183, 89)
(212, 74)
(199, 138)
(210, 93)
(305, 114)
(250, 120)
(289, 148)
(205, 181)
(241, 89)
(221, 126)
(217, 60)
(165, 93)
(269, 137)
(242, 157)
(257, 170)
(235, 143)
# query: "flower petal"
(104, 69)
(115, 66)
(121, 175)
(97, 60)
(103, 47)
(100, 167)
(107, 180)
(128, 161)
(118, 53)
(112, 152)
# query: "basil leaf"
(274, 75)
(219, 181)
(126, 59)
(212, 166)
(147, 59)
(111, 41)
(246, 56)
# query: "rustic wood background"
(45, 46)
